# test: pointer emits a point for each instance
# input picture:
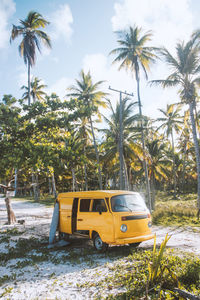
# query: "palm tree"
(36, 90)
(185, 73)
(84, 133)
(32, 37)
(90, 99)
(171, 122)
(130, 133)
(185, 145)
(133, 55)
(158, 163)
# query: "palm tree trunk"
(125, 175)
(196, 145)
(153, 192)
(29, 83)
(174, 167)
(53, 185)
(37, 188)
(74, 182)
(85, 171)
(15, 182)
(121, 178)
(145, 167)
(34, 186)
(97, 153)
(184, 166)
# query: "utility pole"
(121, 157)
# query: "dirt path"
(31, 271)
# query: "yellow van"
(106, 217)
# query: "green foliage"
(175, 212)
(154, 266)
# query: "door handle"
(79, 219)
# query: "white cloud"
(62, 21)
(22, 79)
(60, 87)
(7, 9)
(169, 20)
(152, 97)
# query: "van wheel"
(63, 236)
(134, 245)
(98, 244)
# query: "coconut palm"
(185, 145)
(158, 163)
(90, 99)
(130, 133)
(185, 73)
(32, 37)
(171, 122)
(36, 90)
(84, 134)
(134, 55)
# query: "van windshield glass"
(130, 202)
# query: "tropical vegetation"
(50, 145)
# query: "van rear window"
(85, 205)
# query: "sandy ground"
(64, 273)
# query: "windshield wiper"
(121, 205)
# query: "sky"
(83, 32)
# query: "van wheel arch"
(99, 245)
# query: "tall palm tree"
(158, 163)
(36, 90)
(185, 145)
(185, 73)
(171, 122)
(130, 133)
(133, 55)
(32, 37)
(90, 99)
(84, 134)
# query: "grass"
(133, 277)
(47, 200)
(181, 211)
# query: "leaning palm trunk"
(145, 167)
(97, 153)
(196, 144)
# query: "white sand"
(46, 280)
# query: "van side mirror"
(99, 209)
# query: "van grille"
(138, 217)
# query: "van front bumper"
(133, 240)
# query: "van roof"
(97, 193)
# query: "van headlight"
(123, 228)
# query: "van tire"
(63, 236)
(99, 245)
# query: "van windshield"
(130, 202)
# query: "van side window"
(85, 205)
(99, 204)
